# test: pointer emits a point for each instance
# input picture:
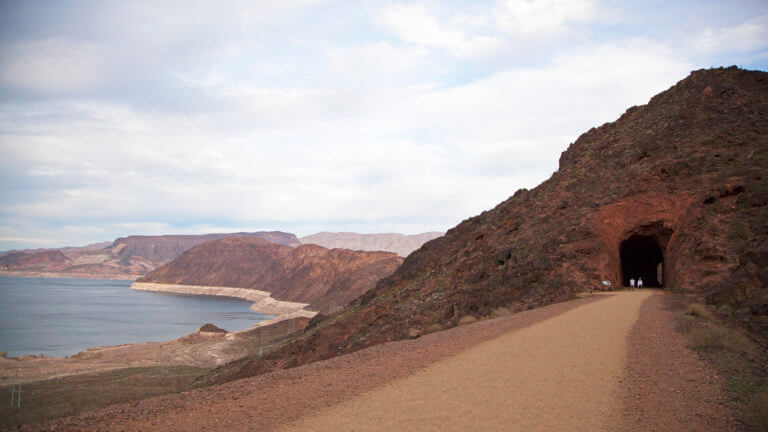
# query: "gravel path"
(561, 374)
(577, 370)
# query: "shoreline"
(55, 275)
(262, 300)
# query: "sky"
(174, 117)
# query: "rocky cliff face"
(38, 260)
(675, 192)
(325, 278)
(134, 255)
(400, 244)
(167, 247)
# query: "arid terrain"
(204, 349)
(682, 178)
(125, 258)
(481, 329)
(593, 373)
(326, 279)
(400, 244)
(135, 256)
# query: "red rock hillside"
(325, 278)
(38, 260)
(133, 256)
(675, 192)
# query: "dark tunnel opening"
(642, 257)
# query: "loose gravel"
(667, 387)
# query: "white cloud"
(542, 17)
(448, 151)
(53, 65)
(414, 24)
(378, 60)
(264, 115)
(751, 35)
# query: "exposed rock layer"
(53, 260)
(687, 170)
(400, 244)
(325, 278)
(129, 257)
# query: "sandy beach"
(262, 300)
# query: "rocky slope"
(168, 247)
(675, 191)
(64, 250)
(400, 244)
(37, 260)
(127, 257)
(325, 278)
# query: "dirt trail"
(559, 374)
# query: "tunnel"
(642, 257)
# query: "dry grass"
(758, 411)
(467, 319)
(433, 328)
(700, 310)
(740, 360)
(714, 336)
(45, 400)
(500, 312)
(706, 337)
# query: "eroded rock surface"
(125, 258)
(54, 260)
(325, 278)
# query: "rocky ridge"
(54, 260)
(327, 279)
(126, 257)
(401, 244)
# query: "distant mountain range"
(135, 256)
(125, 258)
(400, 244)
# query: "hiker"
(632, 284)
(639, 283)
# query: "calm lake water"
(60, 317)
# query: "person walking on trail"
(639, 283)
(632, 284)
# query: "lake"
(61, 317)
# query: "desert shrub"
(725, 310)
(438, 316)
(719, 337)
(467, 319)
(433, 328)
(677, 289)
(758, 410)
(499, 312)
(706, 337)
(744, 387)
(699, 310)
(737, 342)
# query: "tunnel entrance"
(642, 257)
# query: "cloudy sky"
(156, 117)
